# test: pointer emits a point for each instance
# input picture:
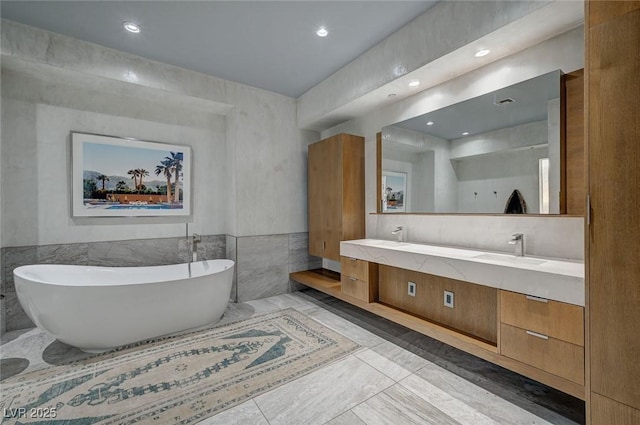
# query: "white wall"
(39, 117)
(250, 158)
(490, 166)
(495, 177)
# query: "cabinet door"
(332, 197)
(315, 190)
(614, 177)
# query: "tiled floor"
(398, 377)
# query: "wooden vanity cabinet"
(335, 194)
(474, 311)
(359, 279)
(546, 334)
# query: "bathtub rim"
(224, 265)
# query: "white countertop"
(555, 279)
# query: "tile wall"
(263, 263)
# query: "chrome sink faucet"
(399, 232)
(518, 241)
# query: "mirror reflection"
(496, 153)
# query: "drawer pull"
(538, 299)
(537, 335)
(352, 278)
(353, 259)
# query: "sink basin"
(510, 259)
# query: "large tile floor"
(398, 377)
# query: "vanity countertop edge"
(548, 278)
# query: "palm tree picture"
(103, 179)
(165, 169)
(123, 177)
(175, 162)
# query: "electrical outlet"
(411, 289)
(448, 299)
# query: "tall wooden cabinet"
(573, 145)
(335, 193)
(612, 32)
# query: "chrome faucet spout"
(518, 241)
(195, 240)
(399, 232)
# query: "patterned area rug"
(178, 380)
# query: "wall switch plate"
(411, 289)
(448, 299)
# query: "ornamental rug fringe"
(178, 380)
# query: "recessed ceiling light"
(430, 123)
(131, 27)
(391, 95)
(322, 32)
(466, 133)
(483, 52)
(414, 83)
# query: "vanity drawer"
(552, 318)
(359, 279)
(356, 288)
(354, 267)
(543, 352)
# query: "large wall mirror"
(496, 153)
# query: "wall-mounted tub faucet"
(195, 240)
(399, 232)
(518, 241)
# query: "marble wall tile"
(141, 252)
(231, 253)
(15, 316)
(3, 315)
(261, 251)
(262, 266)
(211, 247)
(254, 283)
(16, 257)
(299, 258)
(75, 253)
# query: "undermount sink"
(510, 259)
(556, 279)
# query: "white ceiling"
(266, 44)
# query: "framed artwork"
(394, 191)
(116, 177)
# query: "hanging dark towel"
(515, 204)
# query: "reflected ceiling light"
(466, 133)
(322, 32)
(131, 27)
(430, 123)
(414, 83)
(483, 52)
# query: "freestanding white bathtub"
(100, 308)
